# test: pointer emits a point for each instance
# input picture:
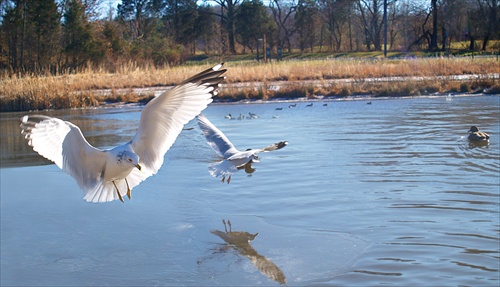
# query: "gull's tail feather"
(222, 169)
(105, 192)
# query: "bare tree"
(283, 12)
(491, 24)
(306, 23)
(336, 15)
(429, 32)
(372, 22)
(395, 16)
(434, 35)
(228, 20)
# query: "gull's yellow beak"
(138, 166)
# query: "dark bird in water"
(477, 136)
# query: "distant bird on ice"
(107, 175)
(477, 136)
(233, 158)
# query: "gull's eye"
(129, 160)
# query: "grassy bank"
(298, 78)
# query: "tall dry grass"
(38, 92)
(360, 68)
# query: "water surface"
(388, 193)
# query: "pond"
(367, 192)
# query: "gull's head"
(254, 158)
(128, 157)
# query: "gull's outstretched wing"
(275, 146)
(63, 143)
(163, 118)
(215, 138)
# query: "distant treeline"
(60, 36)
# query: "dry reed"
(38, 92)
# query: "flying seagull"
(233, 158)
(107, 175)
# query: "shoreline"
(353, 98)
(278, 85)
(301, 91)
(216, 101)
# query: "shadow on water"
(240, 242)
(484, 144)
(249, 169)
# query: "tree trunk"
(434, 45)
(230, 26)
(444, 38)
(472, 43)
(492, 23)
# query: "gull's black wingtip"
(212, 76)
(282, 144)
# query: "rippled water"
(387, 193)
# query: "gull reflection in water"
(240, 241)
(248, 168)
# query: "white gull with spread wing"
(107, 175)
(233, 158)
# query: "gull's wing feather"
(63, 143)
(275, 146)
(163, 118)
(215, 138)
